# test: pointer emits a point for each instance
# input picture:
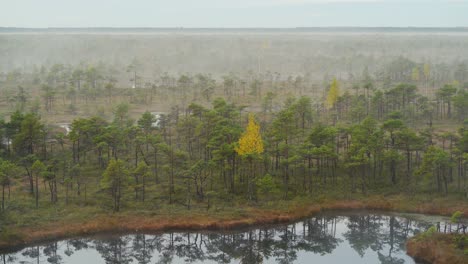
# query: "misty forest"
(228, 124)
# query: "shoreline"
(125, 224)
(437, 249)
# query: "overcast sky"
(232, 13)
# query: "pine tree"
(115, 179)
(37, 169)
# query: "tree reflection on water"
(380, 238)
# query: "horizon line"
(298, 27)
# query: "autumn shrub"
(460, 241)
(429, 233)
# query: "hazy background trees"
(150, 120)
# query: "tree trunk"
(37, 191)
(3, 197)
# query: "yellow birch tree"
(427, 70)
(250, 143)
(427, 73)
(333, 94)
(415, 74)
(250, 146)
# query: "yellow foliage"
(427, 70)
(333, 94)
(251, 141)
(415, 74)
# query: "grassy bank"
(50, 225)
(439, 248)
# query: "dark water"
(332, 237)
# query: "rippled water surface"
(332, 237)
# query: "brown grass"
(439, 249)
(122, 223)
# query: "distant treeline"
(230, 30)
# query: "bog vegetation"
(76, 135)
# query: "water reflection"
(328, 238)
